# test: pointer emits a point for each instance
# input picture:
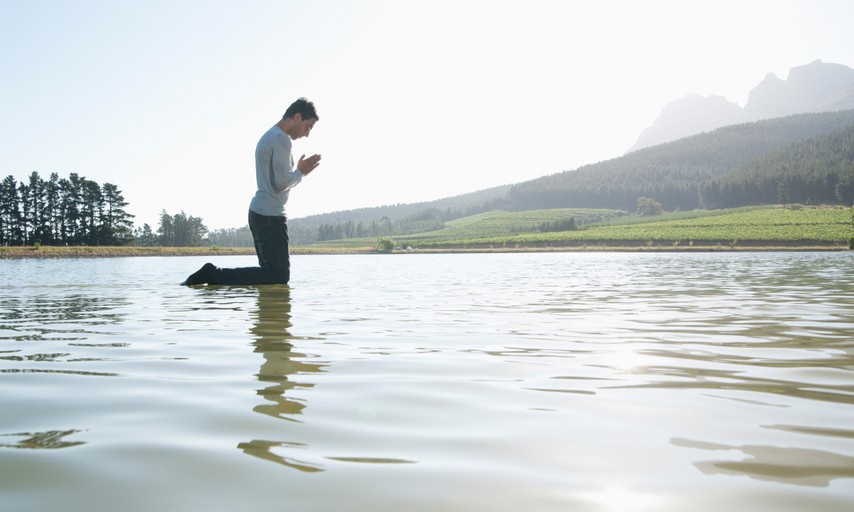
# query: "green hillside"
(502, 223)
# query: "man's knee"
(281, 275)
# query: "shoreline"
(46, 252)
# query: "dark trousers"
(271, 245)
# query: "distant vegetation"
(792, 225)
(76, 211)
(762, 226)
(805, 159)
(748, 226)
(755, 227)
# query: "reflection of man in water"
(272, 340)
(271, 321)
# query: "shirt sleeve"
(285, 176)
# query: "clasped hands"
(306, 165)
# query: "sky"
(418, 99)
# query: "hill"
(695, 172)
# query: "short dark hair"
(304, 108)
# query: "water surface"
(660, 382)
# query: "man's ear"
(297, 117)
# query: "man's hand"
(306, 165)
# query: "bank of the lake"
(124, 252)
(47, 252)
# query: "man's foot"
(201, 276)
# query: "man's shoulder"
(276, 135)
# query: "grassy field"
(751, 228)
(486, 225)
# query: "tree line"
(79, 211)
(179, 230)
(62, 211)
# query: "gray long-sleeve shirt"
(274, 173)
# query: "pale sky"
(418, 99)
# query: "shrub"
(385, 244)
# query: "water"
(536, 382)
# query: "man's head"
(299, 118)
(304, 108)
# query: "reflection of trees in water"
(51, 439)
(57, 317)
(271, 321)
(40, 329)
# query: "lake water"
(499, 382)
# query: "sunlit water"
(523, 382)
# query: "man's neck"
(286, 125)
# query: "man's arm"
(285, 176)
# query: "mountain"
(691, 115)
(814, 87)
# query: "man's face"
(303, 127)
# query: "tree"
(69, 209)
(24, 216)
(385, 244)
(35, 210)
(116, 221)
(648, 206)
(52, 213)
(783, 192)
(11, 232)
(145, 237)
(166, 230)
(181, 230)
(92, 210)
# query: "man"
(275, 176)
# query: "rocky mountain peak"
(813, 87)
